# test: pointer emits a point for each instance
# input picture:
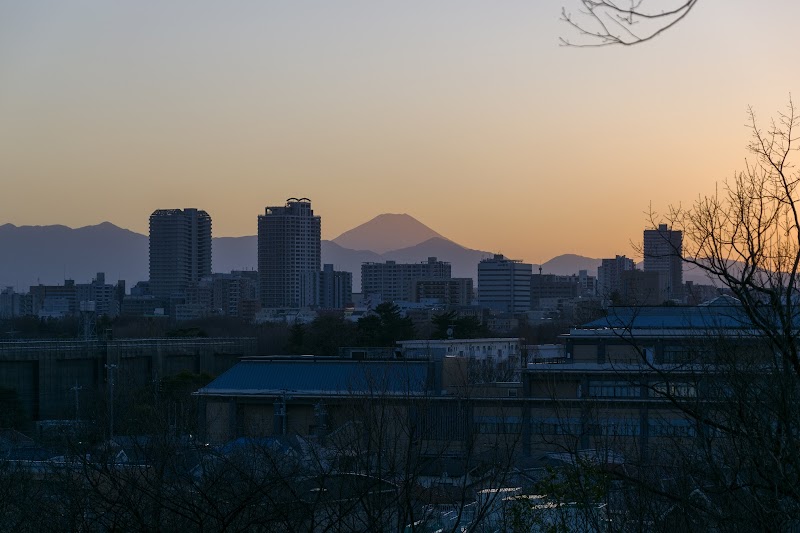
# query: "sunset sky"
(467, 115)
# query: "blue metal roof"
(706, 317)
(339, 377)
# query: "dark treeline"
(323, 336)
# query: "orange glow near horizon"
(466, 115)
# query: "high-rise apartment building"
(289, 255)
(609, 275)
(180, 250)
(394, 281)
(504, 284)
(663, 252)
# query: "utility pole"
(111, 368)
(76, 389)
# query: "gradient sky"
(467, 115)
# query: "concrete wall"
(45, 374)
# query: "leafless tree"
(734, 465)
(624, 22)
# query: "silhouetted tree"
(296, 341)
(329, 332)
(737, 467)
(385, 326)
(12, 413)
(468, 327)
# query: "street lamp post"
(111, 368)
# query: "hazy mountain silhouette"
(385, 233)
(234, 253)
(567, 264)
(49, 254)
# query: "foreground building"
(627, 380)
(47, 375)
(616, 386)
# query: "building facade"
(335, 288)
(453, 292)
(180, 250)
(609, 275)
(106, 296)
(547, 287)
(289, 255)
(14, 304)
(504, 285)
(394, 281)
(638, 287)
(663, 253)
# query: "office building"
(504, 285)
(394, 281)
(180, 250)
(289, 255)
(663, 253)
(54, 301)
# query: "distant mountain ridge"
(385, 233)
(48, 254)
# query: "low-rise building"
(394, 281)
(452, 292)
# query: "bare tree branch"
(608, 22)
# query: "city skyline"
(468, 116)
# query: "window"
(614, 389)
(671, 428)
(556, 426)
(675, 390)
(495, 425)
(620, 427)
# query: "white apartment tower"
(505, 284)
(663, 252)
(180, 250)
(289, 255)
